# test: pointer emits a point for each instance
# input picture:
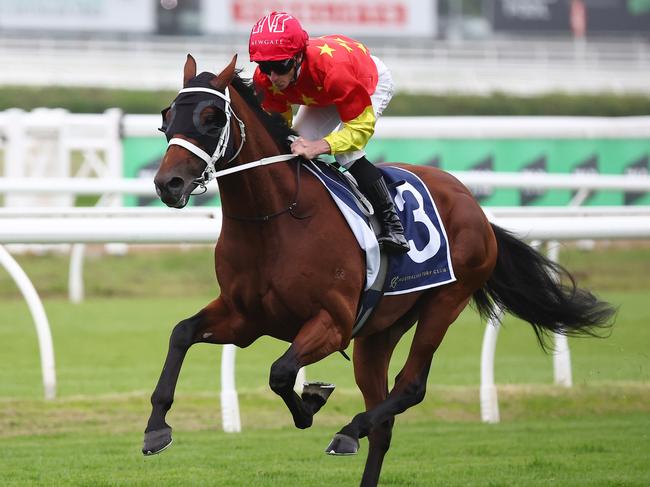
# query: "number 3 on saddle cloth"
(427, 264)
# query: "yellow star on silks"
(307, 100)
(362, 47)
(275, 90)
(325, 49)
(343, 43)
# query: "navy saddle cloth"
(428, 263)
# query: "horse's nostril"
(175, 184)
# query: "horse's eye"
(209, 119)
(212, 122)
(213, 130)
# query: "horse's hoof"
(156, 441)
(342, 445)
(316, 394)
(303, 422)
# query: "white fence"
(108, 225)
(134, 225)
(99, 224)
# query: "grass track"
(109, 351)
(602, 451)
(117, 345)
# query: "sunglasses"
(278, 67)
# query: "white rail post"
(229, 401)
(40, 321)
(75, 274)
(489, 399)
(114, 167)
(14, 161)
(562, 374)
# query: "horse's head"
(197, 127)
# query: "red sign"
(389, 13)
(578, 18)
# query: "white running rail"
(203, 226)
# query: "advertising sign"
(599, 156)
(581, 16)
(618, 15)
(595, 156)
(531, 15)
(79, 15)
(320, 17)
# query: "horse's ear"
(189, 71)
(224, 78)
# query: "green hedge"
(606, 105)
(89, 100)
(84, 100)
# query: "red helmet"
(275, 37)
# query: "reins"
(210, 172)
(289, 209)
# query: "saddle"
(427, 264)
(371, 295)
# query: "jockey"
(342, 90)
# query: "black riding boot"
(392, 237)
(372, 185)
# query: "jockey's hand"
(309, 149)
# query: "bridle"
(210, 172)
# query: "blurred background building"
(517, 46)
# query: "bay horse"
(289, 267)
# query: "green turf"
(117, 345)
(109, 351)
(606, 450)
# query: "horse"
(289, 267)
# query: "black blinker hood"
(185, 116)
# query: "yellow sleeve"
(288, 116)
(355, 134)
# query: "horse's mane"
(273, 122)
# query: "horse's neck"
(258, 191)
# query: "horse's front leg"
(213, 324)
(318, 338)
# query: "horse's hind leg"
(318, 338)
(212, 324)
(371, 359)
(437, 312)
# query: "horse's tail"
(541, 292)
